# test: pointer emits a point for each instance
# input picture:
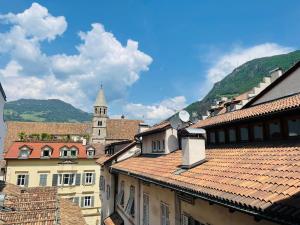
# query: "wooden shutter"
(82, 201)
(83, 178)
(145, 209)
(77, 181)
(54, 179)
(92, 201)
(76, 200)
(26, 180)
(94, 178)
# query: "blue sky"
(182, 49)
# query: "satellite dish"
(175, 122)
(184, 116)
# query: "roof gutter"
(204, 197)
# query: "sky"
(152, 57)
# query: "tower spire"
(100, 100)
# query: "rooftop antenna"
(180, 120)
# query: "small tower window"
(99, 123)
(96, 110)
(104, 111)
(100, 110)
(99, 132)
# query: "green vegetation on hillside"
(51, 110)
(243, 78)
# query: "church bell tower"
(100, 118)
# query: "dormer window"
(24, 152)
(74, 152)
(46, 152)
(64, 152)
(90, 152)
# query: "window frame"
(21, 180)
(88, 178)
(62, 177)
(164, 213)
(146, 212)
(248, 134)
(280, 129)
(87, 199)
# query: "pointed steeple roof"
(100, 100)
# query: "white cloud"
(225, 63)
(100, 57)
(155, 112)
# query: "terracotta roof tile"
(157, 127)
(36, 148)
(258, 110)
(122, 129)
(258, 177)
(36, 206)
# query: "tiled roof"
(14, 128)
(36, 148)
(122, 129)
(117, 129)
(279, 105)
(260, 179)
(70, 213)
(36, 206)
(106, 158)
(155, 128)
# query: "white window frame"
(62, 176)
(21, 179)
(88, 178)
(87, 202)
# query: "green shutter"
(26, 180)
(76, 200)
(92, 201)
(82, 201)
(77, 181)
(83, 178)
(94, 178)
(54, 179)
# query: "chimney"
(193, 147)
(84, 141)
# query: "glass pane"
(244, 134)
(232, 135)
(221, 135)
(274, 129)
(294, 127)
(258, 132)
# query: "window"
(232, 135)
(274, 129)
(64, 153)
(99, 123)
(88, 178)
(24, 154)
(188, 220)
(258, 132)
(107, 192)
(43, 179)
(46, 153)
(130, 204)
(99, 132)
(66, 179)
(158, 146)
(22, 180)
(221, 136)
(87, 201)
(153, 146)
(164, 211)
(102, 183)
(120, 196)
(163, 145)
(244, 134)
(145, 209)
(104, 111)
(212, 137)
(294, 127)
(100, 110)
(73, 152)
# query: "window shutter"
(77, 182)
(26, 180)
(82, 201)
(94, 178)
(83, 178)
(162, 219)
(43, 179)
(92, 201)
(76, 200)
(54, 179)
(167, 215)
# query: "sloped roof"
(155, 128)
(36, 206)
(122, 129)
(262, 179)
(14, 128)
(100, 100)
(36, 149)
(279, 105)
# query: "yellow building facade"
(76, 177)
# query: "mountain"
(51, 110)
(244, 78)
